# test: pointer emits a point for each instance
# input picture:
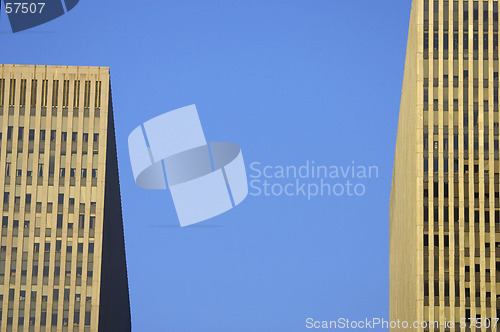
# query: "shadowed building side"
(114, 311)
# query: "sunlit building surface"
(62, 253)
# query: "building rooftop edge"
(54, 66)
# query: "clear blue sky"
(289, 81)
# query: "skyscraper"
(62, 253)
(444, 209)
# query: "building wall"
(51, 280)
(405, 227)
(460, 144)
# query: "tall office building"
(444, 209)
(62, 254)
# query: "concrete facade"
(61, 216)
(445, 205)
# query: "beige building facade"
(444, 208)
(62, 254)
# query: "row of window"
(69, 248)
(63, 139)
(456, 214)
(53, 135)
(43, 112)
(62, 171)
(55, 296)
(81, 221)
(71, 203)
(43, 313)
(455, 104)
(46, 259)
(54, 96)
(446, 241)
(465, 42)
(455, 12)
(475, 82)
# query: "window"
(2, 91)
(22, 295)
(45, 84)
(12, 92)
(22, 99)
(55, 92)
(65, 93)
(17, 201)
(33, 93)
(71, 205)
(87, 318)
(59, 220)
(86, 101)
(76, 97)
(98, 94)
